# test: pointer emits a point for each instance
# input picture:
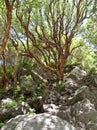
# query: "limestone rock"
(77, 73)
(82, 93)
(92, 125)
(84, 111)
(79, 95)
(27, 84)
(8, 113)
(6, 101)
(38, 122)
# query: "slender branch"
(75, 48)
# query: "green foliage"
(20, 98)
(90, 31)
(16, 90)
(61, 85)
(1, 124)
(26, 65)
(9, 105)
(83, 54)
(88, 62)
(40, 90)
(36, 14)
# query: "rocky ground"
(74, 103)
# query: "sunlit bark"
(9, 7)
(62, 19)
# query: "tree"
(9, 6)
(49, 28)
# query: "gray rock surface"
(75, 102)
(77, 73)
(82, 114)
(92, 125)
(82, 93)
(7, 113)
(27, 84)
(37, 122)
(84, 111)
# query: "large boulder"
(78, 95)
(38, 122)
(85, 112)
(81, 114)
(82, 93)
(29, 83)
(77, 73)
(8, 111)
(90, 79)
(33, 87)
(92, 125)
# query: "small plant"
(11, 104)
(31, 111)
(20, 98)
(1, 124)
(61, 84)
(16, 91)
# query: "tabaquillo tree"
(9, 6)
(49, 28)
(6, 7)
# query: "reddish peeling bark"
(62, 27)
(8, 24)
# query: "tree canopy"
(46, 29)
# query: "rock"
(92, 125)
(82, 93)
(37, 122)
(51, 108)
(54, 98)
(79, 95)
(6, 101)
(70, 85)
(8, 113)
(84, 111)
(69, 67)
(61, 111)
(90, 79)
(34, 90)
(42, 72)
(65, 114)
(38, 78)
(27, 84)
(77, 73)
(82, 114)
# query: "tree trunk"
(60, 70)
(8, 24)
